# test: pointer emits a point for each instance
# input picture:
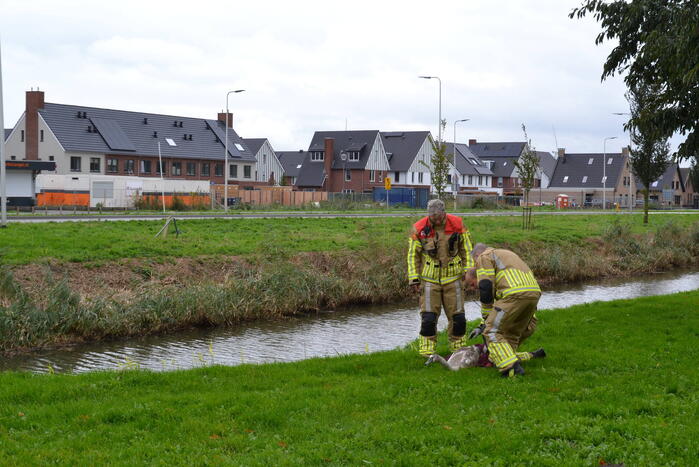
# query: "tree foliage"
(658, 46)
(439, 166)
(650, 152)
(527, 166)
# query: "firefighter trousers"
(434, 297)
(508, 325)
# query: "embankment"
(57, 302)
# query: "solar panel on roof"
(112, 134)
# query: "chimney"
(471, 142)
(222, 118)
(562, 154)
(35, 101)
(328, 161)
(625, 151)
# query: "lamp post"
(604, 173)
(439, 127)
(343, 157)
(628, 163)
(225, 154)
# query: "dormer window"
(317, 156)
(354, 156)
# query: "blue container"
(411, 197)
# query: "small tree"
(439, 166)
(650, 154)
(527, 168)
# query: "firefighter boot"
(457, 343)
(513, 371)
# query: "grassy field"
(620, 384)
(104, 241)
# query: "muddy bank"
(45, 304)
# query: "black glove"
(477, 331)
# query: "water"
(357, 330)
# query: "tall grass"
(274, 283)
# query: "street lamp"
(343, 157)
(604, 173)
(225, 155)
(628, 163)
(439, 127)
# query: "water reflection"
(326, 334)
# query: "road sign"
(387, 183)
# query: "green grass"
(620, 384)
(103, 241)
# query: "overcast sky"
(310, 66)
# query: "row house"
(691, 197)
(344, 161)
(500, 157)
(669, 190)
(587, 179)
(291, 162)
(110, 156)
(268, 168)
(469, 174)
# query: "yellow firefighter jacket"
(507, 272)
(439, 253)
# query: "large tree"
(650, 151)
(658, 45)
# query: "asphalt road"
(299, 214)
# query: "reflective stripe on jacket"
(508, 273)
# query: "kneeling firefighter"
(438, 255)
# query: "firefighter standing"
(509, 295)
(438, 255)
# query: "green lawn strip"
(106, 241)
(620, 384)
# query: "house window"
(233, 171)
(348, 175)
(381, 176)
(75, 164)
(604, 179)
(21, 136)
(412, 177)
(112, 165)
(247, 170)
(316, 155)
(419, 177)
(590, 160)
(463, 179)
(372, 176)
(354, 155)
(205, 169)
(584, 180)
(145, 166)
(500, 181)
(264, 158)
(480, 180)
(191, 169)
(157, 168)
(470, 179)
(218, 170)
(95, 164)
(41, 136)
(130, 165)
(609, 162)
(397, 176)
(565, 179)
(50, 158)
(176, 168)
